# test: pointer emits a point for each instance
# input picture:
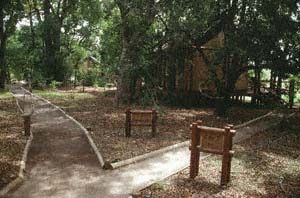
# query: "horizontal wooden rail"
(141, 112)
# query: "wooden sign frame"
(140, 118)
(211, 140)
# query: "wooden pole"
(154, 121)
(127, 124)
(195, 154)
(27, 123)
(230, 149)
(226, 162)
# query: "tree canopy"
(145, 40)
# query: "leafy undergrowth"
(12, 142)
(265, 165)
(95, 110)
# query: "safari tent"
(195, 76)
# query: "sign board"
(211, 140)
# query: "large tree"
(10, 12)
(63, 21)
(136, 18)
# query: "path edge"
(16, 182)
(139, 158)
(247, 123)
(205, 155)
(90, 140)
(202, 157)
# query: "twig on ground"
(281, 179)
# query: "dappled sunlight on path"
(61, 162)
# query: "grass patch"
(5, 95)
(59, 95)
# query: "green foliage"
(89, 78)
(55, 84)
(58, 97)
(38, 80)
(148, 40)
(296, 78)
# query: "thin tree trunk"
(171, 84)
(279, 84)
(3, 38)
(3, 66)
(123, 94)
(256, 88)
(291, 93)
(131, 41)
(51, 36)
(272, 80)
(33, 46)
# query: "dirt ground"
(95, 110)
(265, 165)
(12, 142)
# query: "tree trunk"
(132, 39)
(272, 80)
(291, 93)
(171, 84)
(256, 88)
(123, 94)
(3, 66)
(279, 84)
(230, 63)
(51, 36)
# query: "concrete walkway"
(61, 162)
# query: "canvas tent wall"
(196, 75)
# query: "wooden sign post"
(211, 140)
(140, 118)
(26, 108)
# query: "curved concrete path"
(62, 164)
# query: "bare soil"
(265, 165)
(12, 142)
(96, 111)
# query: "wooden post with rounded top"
(226, 160)
(195, 154)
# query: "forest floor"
(12, 141)
(95, 110)
(265, 165)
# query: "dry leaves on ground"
(95, 110)
(265, 165)
(12, 142)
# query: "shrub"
(54, 84)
